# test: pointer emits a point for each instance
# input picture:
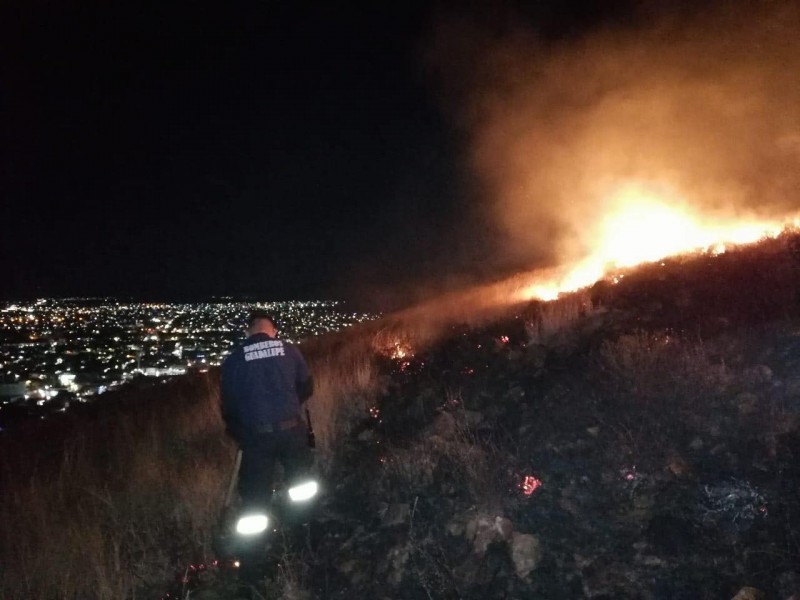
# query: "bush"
(666, 387)
(450, 455)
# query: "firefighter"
(265, 381)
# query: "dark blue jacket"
(264, 382)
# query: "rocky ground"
(641, 440)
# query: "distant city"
(57, 352)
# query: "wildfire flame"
(646, 226)
(400, 351)
(393, 343)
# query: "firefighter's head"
(260, 321)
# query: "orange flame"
(646, 226)
(400, 351)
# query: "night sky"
(183, 150)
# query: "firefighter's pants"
(260, 455)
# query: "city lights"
(53, 351)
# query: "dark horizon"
(281, 151)
(262, 151)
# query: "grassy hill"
(638, 439)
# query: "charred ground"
(660, 415)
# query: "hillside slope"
(637, 440)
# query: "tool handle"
(312, 439)
(234, 478)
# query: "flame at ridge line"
(644, 228)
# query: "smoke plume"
(701, 107)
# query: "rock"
(356, 570)
(536, 355)
(483, 530)
(678, 467)
(472, 418)
(569, 505)
(683, 298)
(575, 497)
(396, 561)
(581, 561)
(514, 394)
(671, 534)
(717, 425)
(789, 585)
(697, 443)
(292, 591)
(347, 566)
(455, 528)
(759, 374)
(444, 426)
(526, 553)
(212, 594)
(643, 503)
(792, 387)
(650, 560)
(746, 404)
(749, 593)
(394, 514)
(366, 435)
(718, 449)
(601, 579)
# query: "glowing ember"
(645, 226)
(399, 352)
(630, 475)
(530, 484)
(393, 345)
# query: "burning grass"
(547, 319)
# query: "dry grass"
(125, 499)
(450, 454)
(115, 503)
(661, 390)
(345, 384)
(549, 319)
(661, 367)
(292, 576)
